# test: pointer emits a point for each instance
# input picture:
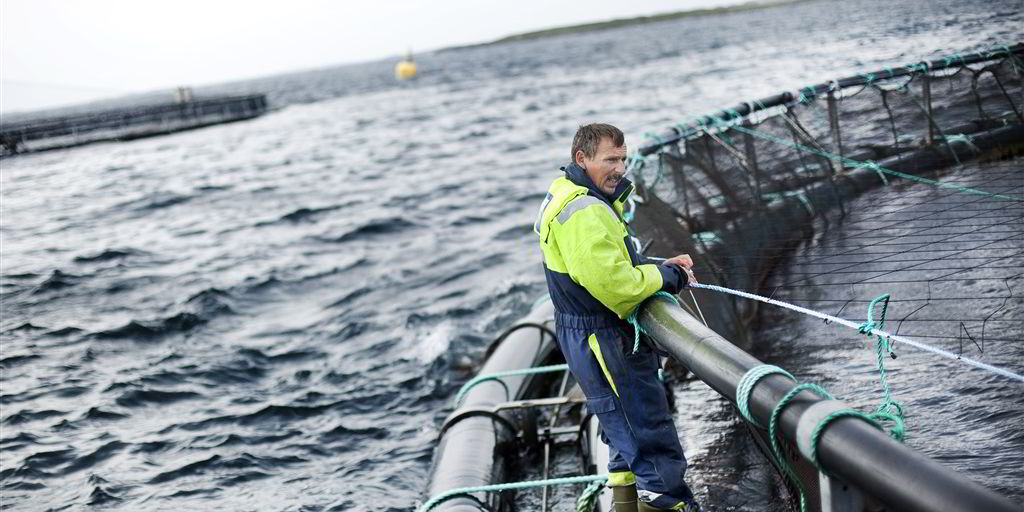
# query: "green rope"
(587, 500)
(953, 58)
(480, 379)
(871, 164)
(746, 387)
(889, 411)
(657, 176)
(462, 491)
(655, 137)
(819, 429)
(854, 163)
(920, 67)
(799, 194)
(773, 433)
(634, 163)
(805, 97)
(707, 237)
(730, 118)
(959, 137)
(632, 318)
(1012, 57)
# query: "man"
(596, 278)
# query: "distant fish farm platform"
(127, 123)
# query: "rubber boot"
(624, 498)
(643, 506)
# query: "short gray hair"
(589, 136)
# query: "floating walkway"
(127, 123)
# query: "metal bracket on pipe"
(810, 420)
(838, 496)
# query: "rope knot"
(655, 137)
(866, 327)
(632, 318)
(872, 165)
(806, 94)
(963, 138)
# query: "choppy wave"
(374, 228)
(108, 255)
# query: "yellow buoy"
(405, 69)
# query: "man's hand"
(686, 263)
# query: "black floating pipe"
(850, 448)
(744, 109)
(471, 439)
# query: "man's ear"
(579, 157)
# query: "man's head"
(600, 149)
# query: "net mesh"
(749, 185)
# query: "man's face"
(607, 167)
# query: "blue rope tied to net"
(632, 318)
(868, 77)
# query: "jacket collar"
(577, 175)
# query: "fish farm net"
(905, 182)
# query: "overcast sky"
(56, 52)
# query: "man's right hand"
(685, 262)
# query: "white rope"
(856, 326)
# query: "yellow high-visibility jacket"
(591, 264)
